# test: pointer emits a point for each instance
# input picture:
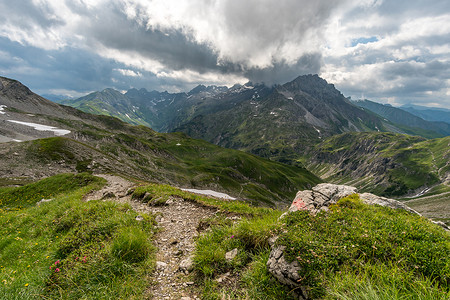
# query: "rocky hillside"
(106, 144)
(385, 163)
(15, 96)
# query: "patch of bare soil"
(178, 221)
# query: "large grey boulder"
(320, 197)
(323, 195)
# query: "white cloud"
(128, 72)
(404, 63)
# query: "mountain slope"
(106, 144)
(417, 125)
(383, 163)
(15, 95)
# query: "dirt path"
(178, 221)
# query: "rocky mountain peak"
(13, 87)
(14, 94)
(314, 86)
(198, 89)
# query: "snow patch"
(210, 193)
(41, 127)
(2, 107)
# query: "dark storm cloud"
(165, 44)
(252, 28)
(283, 72)
(173, 49)
(178, 50)
(69, 69)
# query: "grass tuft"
(131, 245)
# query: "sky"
(389, 51)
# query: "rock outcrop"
(323, 195)
(316, 200)
(320, 197)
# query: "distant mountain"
(417, 125)
(158, 110)
(108, 102)
(429, 113)
(277, 122)
(103, 144)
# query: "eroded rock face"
(316, 200)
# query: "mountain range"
(127, 233)
(304, 124)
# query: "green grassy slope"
(385, 163)
(106, 144)
(70, 249)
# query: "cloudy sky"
(390, 51)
